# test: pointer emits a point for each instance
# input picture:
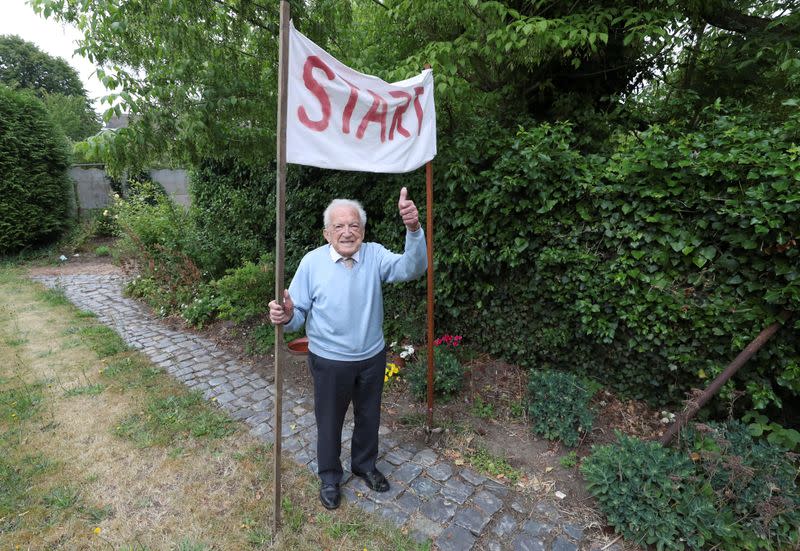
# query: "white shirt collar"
(335, 256)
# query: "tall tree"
(73, 115)
(197, 76)
(24, 66)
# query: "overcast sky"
(17, 17)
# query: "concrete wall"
(175, 182)
(94, 191)
(91, 186)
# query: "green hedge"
(36, 198)
(647, 263)
(648, 267)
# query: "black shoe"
(329, 496)
(374, 480)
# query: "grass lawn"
(102, 450)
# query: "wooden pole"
(429, 235)
(694, 405)
(280, 255)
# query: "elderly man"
(337, 294)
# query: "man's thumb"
(403, 193)
(286, 298)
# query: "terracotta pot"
(298, 346)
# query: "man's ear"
(325, 234)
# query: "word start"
(377, 113)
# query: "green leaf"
(708, 252)
(700, 261)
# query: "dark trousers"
(336, 384)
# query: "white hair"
(336, 203)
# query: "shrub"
(241, 294)
(233, 208)
(36, 198)
(448, 374)
(720, 490)
(104, 222)
(158, 243)
(754, 485)
(647, 264)
(558, 406)
(202, 309)
(245, 291)
(649, 495)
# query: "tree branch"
(271, 28)
(729, 19)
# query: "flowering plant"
(392, 370)
(448, 376)
(448, 340)
(405, 351)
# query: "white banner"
(342, 119)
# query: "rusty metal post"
(694, 406)
(429, 235)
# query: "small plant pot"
(397, 360)
(298, 347)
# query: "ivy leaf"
(700, 261)
(708, 252)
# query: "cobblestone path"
(455, 507)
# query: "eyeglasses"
(339, 228)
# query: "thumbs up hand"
(408, 211)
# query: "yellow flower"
(385, 378)
(97, 530)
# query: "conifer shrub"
(36, 197)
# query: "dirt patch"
(75, 263)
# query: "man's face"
(344, 233)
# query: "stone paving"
(456, 508)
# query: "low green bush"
(202, 309)
(754, 485)
(559, 406)
(245, 291)
(649, 495)
(720, 490)
(448, 375)
(104, 222)
(241, 294)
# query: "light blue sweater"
(343, 308)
